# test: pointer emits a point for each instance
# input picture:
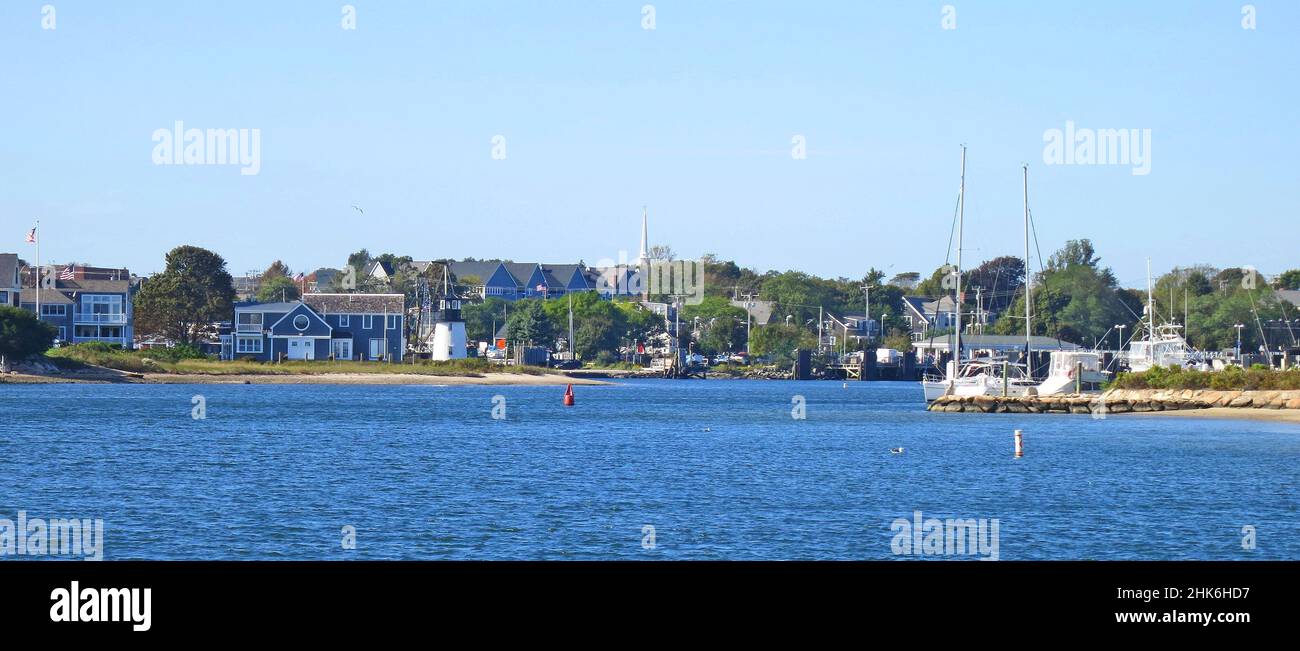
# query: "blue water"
(720, 469)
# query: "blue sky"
(693, 119)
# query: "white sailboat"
(984, 376)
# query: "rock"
(1080, 409)
(1139, 406)
(1293, 403)
(1242, 400)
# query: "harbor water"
(648, 469)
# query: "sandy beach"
(1232, 413)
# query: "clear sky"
(694, 119)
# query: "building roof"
(336, 304)
(481, 269)
(48, 296)
(383, 268)
(276, 306)
(521, 271)
(356, 303)
(95, 286)
(995, 342)
(561, 273)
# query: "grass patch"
(1233, 378)
(192, 363)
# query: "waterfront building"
(319, 327)
(84, 303)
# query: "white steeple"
(645, 252)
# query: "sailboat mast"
(1151, 316)
(961, 219)
(1029, 280)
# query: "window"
(249, 322)
(86, 332)
(100, 304)
(367, 321)
(376, 348)
(63, 333)
(301, 322)
(344, 320)
(54, 310)
(392, 322)
(248, 344)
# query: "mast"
(37, 241)
(1029, 279)
(1151, 315)
(961, 218)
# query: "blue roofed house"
(485, 278)
(529, 279)
(564, 278)
(319, 327)
(512, 281)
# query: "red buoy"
(568, 396)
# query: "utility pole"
(749, 303)
(821, 318)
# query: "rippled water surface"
(720, 469)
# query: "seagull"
(358, 209)
(895, 450)
(708, 429)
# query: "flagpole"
(37, 237)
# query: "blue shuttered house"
(515, 280)
(367, 327)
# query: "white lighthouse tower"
(448, 328)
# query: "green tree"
(22, 335)
(597, 333)
(1075, 299)
(529, 325)
(194, 291)
(278, 288)
(1289, 279)
(480, 318)
(778, 342)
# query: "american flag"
(66, 274)
(31, 236)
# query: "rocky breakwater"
(1120, 401)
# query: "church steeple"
(643, 260)
(645, 252)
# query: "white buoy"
(1020, 444)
